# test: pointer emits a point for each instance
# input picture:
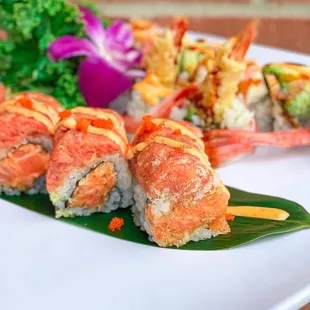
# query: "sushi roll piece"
(144, 31)
(217, 106)
(253, 91)
(289, 89)
(178, 196)
(27, 125)
(88, 171)
(160, 65)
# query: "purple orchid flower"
(108, 69)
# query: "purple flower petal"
(135, 73)
(70, 46)
(93, 28)
(119, 34)
(134, 56)
(131, 59)
(100, 83)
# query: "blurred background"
(285, 23)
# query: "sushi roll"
(144, 32)
(178, 196)
(289, 89)
(88, 171)
(253, 91)
(161, 71)
(27, 125)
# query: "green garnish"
(191, 111)
(24, 64)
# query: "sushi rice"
(160, 206)
(236, 116)
(39, 187)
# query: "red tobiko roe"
(83, 125)
(116, 224)
(148, 126)
(25, 102)
(64, 114)
(178, 132)
(229, 217)
(103, 123)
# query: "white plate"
(46, 264)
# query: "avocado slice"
(299, 106)
(188, 60)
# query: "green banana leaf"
(243, 230)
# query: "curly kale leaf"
(67, 88)
(24, 65)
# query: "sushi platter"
(157, 165)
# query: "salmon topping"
(178, 146)
(23, 166)
(39, 97)
(85, 126)
(32, 109)
(94, 189)
(178, 128)
(116, 223)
